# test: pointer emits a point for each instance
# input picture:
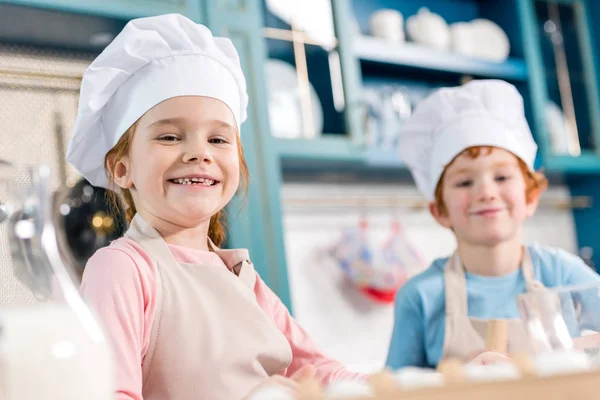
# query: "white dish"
(489, 40)
(428, 28)
(462, 42)
(480, 38)
(285, 112)
(387, 24)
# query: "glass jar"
(51, 345)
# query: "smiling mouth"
(490, 211)
(194, 181)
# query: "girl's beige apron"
(465, 335)
(210, 338)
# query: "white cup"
(387, 24)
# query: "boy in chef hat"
(159, 121)
(471, 153)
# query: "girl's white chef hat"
(151, 60)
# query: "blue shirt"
(419, 314)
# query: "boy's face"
(484, 198)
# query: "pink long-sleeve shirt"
(119, 283)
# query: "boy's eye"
(464, 183)
(217, 141)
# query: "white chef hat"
(151, 60)
(479, 113)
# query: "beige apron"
(465, 335)
(210, 339)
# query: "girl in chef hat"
(159, 121)
(471, 153)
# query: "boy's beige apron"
(210, 338)
(465, 335)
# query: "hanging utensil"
(553, 28)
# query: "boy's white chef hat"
(479, 113)
(151, 60)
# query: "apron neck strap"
(455, 284)
(528, 273)
(151, 241)
(154, 244)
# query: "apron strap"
(150, 240)
(528, 273)
(455, 285)
(236, 260)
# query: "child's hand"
(304, 373)
(289, 385)
(485, 357)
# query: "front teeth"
(194, 181)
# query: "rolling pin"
(496, 339)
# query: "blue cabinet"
(561, 57)
(117, 8)
(254, 221)
(369, 64)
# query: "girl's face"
(485, 198)
(183, 166)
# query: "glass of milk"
(51, 347)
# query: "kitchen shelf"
(587, 163)
(415, 56)
(334, 148)
(335, 151)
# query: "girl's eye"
(502, 178)
(168, 138)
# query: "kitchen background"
(330, 82)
